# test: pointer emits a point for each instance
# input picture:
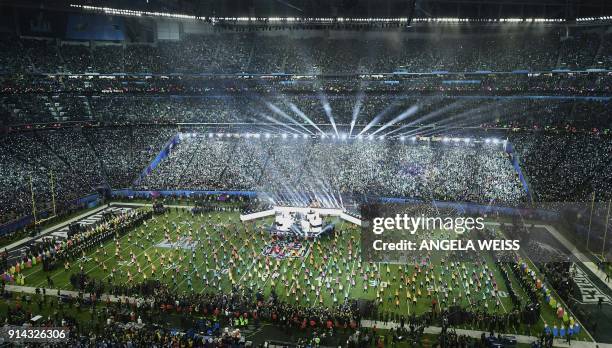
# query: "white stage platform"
(300, 220)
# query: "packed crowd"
(464, 173)
(69, 163)
(310, 52)
(565, 166)
(63, 165)
(464, 111)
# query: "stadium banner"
(165, 151)
(514, 159)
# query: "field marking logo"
(590, 293)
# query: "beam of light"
(376, 119)
(429, 116)
(472, 114)
(407, 113)
(273, 120)
(284, 115)
(295, 109)
(356, 111)
(328, 112)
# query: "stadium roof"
(560, 9)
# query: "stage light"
(413, 138)
(247, 135)
(323, 136)
(445, 139)
(466, 140)
(456, 140)
(267, 135)
(295, 136)
(343, 136)
(284, 136)
(257, 135)
(228, 135)
(370, 137)
(305, 136)
(359, 137)
(487, 140)
(219, 135)
(402, 138)
(210, 135)
(495, 141)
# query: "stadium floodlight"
(328, 111)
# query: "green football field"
(213, 252)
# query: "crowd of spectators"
(446, 172)
(568, 113)
(311, 52)
(67, 164)
(565, 167)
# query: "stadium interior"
(201, 173)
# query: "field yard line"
(91, 269)
(217, 248)
(40, 269)
(142, 252)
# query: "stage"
(304, 222)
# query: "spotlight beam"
(376, 119)
(328, 111)
(271, 119)
(295, 109)
(356, 111)
(409, 112)
(429, 116)
(284, 115)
